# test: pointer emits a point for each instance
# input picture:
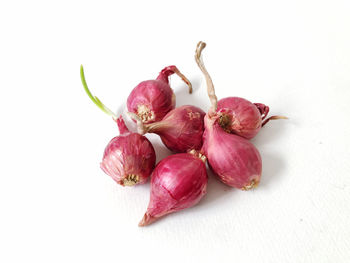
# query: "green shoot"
(94, 98)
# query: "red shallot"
(151, 100)
(234, 159)
(178, 182)
(180, 130)
(128, 158)
(237, 115)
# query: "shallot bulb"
(237, 115)
(178, 182)
(233, 159)
(180, 130)
(128, 158)
(151, 100)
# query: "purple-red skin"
(128, 158)
(241, 117)
(178, 182)
(151, 100)
(234, 159)
(181, 129)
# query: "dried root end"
(145, 114)
(253, 184)
(131, 180)
(147, 220)
(199, 155)
(225, 122)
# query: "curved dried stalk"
(167, 71)
(273, 118)
(210, 86)
(141, 129)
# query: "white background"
(56, 205)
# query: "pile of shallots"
(220, 137)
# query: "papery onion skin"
(178, 182)
(151, 100)
(240, 116)
(181, 129)
(233, 159)
(128, 158)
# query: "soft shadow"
(161, 151)
(272, 163)
(216, 190)
(272, 168)
(272, 131)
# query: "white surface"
(57, 205)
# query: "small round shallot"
(151, 100)
(129, 158)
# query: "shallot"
(237, 115)
(151, 100)
(234, 159)
(180, 130)
(178, 182)
(128, 158)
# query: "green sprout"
(96, 100)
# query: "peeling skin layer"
(129, 159)
(234, 159)
(179, 181)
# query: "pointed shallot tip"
(147, 220)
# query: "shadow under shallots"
(272, 162)
(160, 149)
(216, 190)
(273, 165)
(271, 170)
(272, 131)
